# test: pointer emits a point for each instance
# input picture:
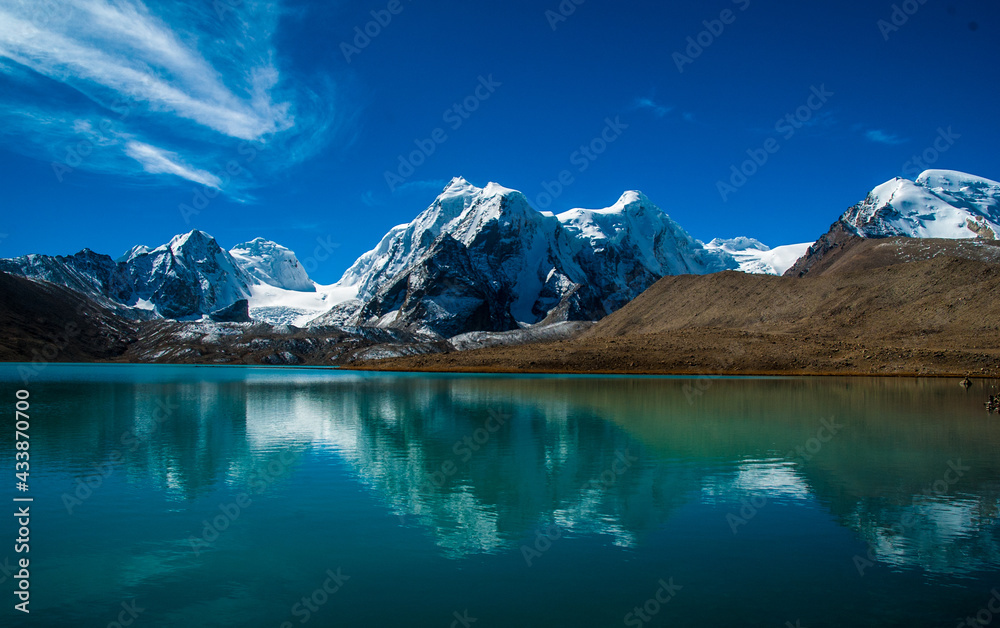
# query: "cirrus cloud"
(168, 89)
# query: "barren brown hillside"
(43, 322)
(893, 306)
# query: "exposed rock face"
(834, 241)
(190, 276)
(981, 229)
(92, 274)
(187, 278)
(238, 312)
(482, 259)
(443, 293)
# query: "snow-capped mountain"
(272, 264)
(757, 258)
(939, 204)
(482, 259)
(188, 278)
(92, 274)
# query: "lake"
(202, 496)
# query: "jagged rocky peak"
(186, 278)
(581, 263)
(194, 242)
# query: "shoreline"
(462, 370)
(375, 367)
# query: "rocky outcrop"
(482, 259)
(442, 293)
(238, 312)
(831, 244)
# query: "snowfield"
(759, 259)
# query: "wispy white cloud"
(882, 137)
(181, 75)
(158, 161)
(650, 105)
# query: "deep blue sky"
(198, 84)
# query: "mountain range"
(483, 260)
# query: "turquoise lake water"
(186, 496)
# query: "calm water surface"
(256, 497)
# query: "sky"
(322, 124)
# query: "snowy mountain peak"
(740, 243)
(133, 252)
(939, 204)
(581, 264)
(632, 199)
(194, 238)
(272, 264)
(458, 186)
(495, 189)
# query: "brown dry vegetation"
(894, 306)
(48, 323)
